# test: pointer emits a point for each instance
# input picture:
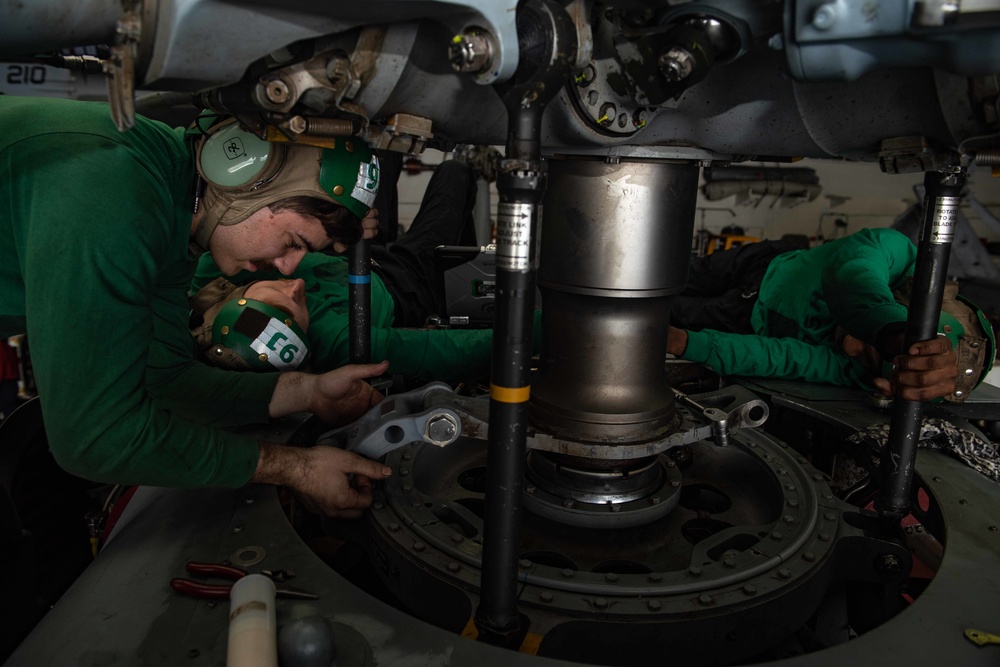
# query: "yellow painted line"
(510, 394)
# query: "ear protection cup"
(230, 157)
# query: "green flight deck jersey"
(95, 266)
(448, 355)
(804, 295)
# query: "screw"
(277, 91)
(888, 564)
(442, 429)
(824, 17)
(676, 64)
(472, 52)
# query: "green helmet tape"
(349, 172)
(260, 334)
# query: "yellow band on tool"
(510, 394)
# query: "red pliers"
(200, 589)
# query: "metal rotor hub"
(590, 497)
(747, 526)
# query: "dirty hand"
(369, 224)
(340, 396)
(327, 480)
(369, 228)
(927, 371)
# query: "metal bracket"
(423, 414)
(120, 71)
(434, 414)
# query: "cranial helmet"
(244, 173)
(245, 334)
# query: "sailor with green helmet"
(99, 228)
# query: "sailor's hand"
(926, 372)
(327, 480)
(369, 224)
(337, 397)
(342, 395)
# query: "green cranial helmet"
(244, 173)
(264, 337)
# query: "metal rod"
(359, 280)
(937, 228)
(546, 33)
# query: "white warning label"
(514, 236)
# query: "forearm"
(292, 393)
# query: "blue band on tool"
(358, 280)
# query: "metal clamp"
(424, 414)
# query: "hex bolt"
(600, 603)
(393, 527)
(825, 16)
(546, 596)
(442, 429)
(729, 562)
(471, 52)
(419, 547)
(809, 557)
(694, 571)
(655, 577)
(276, 91)
(654, 605)
(750, 589)
(705, 599)
(378, 506)
(524, 563)
(568, 504)
(453, 567)
(784, 573)
(611, 576)
(676, 64)
(567, 573)
(888, 564)
(457, 539)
